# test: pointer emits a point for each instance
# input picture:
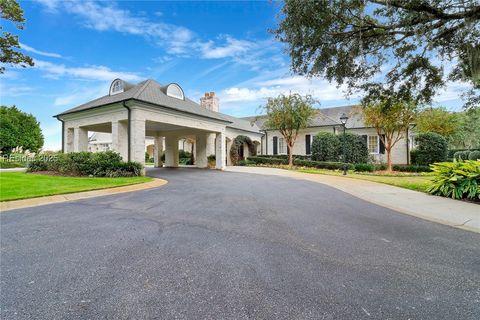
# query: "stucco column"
(210, 144)
(220, 151)
(171, 151)
(158, 151)
(68, 140)
(137, 140)
(201, 150)
(80, 139)
(228, 145)
(120, 138)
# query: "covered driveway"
(225, 245)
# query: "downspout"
(266, 142)
(129, 126)
(63, 132)
(408, 148)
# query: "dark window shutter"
(275, 145)
(382, 145)
(365, 138)
(307, 144)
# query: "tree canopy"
(288, 114)
(11, 10)
(19, 129)
(385, 48)
(437, 120)
(391, 121)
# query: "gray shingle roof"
(151, 91)
(324, 117)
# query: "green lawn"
(408, 181)
(21, 185)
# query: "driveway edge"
(446, 211)
(40, 201)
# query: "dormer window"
(174, 91)
(116, 87)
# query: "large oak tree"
(385, 48)
(9, 44)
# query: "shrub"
(10, 164)
(364, 167)
(380, 166)
(284, 156)
(474, 155)
(461, 155)
(451, 152)
(245, 162)
(325, 147)
(100, 164)
(323, 164)
(431, 147)
(357, 150)
(457, 180)
(124, 169)
(265, 160)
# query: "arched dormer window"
(116, 87)
(174, 91)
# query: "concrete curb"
(40, 201)
(13, 170)
(453, 213)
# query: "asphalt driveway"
(223, 245)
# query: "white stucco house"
(130, 117)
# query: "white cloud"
(90, 72)
(231, 48)
(452, 91)
(42, 53)
(14, 90)
(175, 40)
(81, 95)
(111, 18)
(321, 89)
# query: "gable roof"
(324, 117)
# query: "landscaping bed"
(20, 185)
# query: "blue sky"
(80, 47)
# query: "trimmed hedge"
(284, 156)
(357, 150)
(245, 162)
(10, 164)
(325, 147)
(323, 164)
(461, 155)
(431, 147)
(457, 180)
(451, 152)
(268, 160)
(302, 163)
(474, 155)
(99, 164)
(364, 167)
(329, 147)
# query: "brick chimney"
(210, 101)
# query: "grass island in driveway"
(419, 182)
(21, 185)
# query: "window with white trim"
(282, 146)
(373, 144)
(174, 90)
(117, 87)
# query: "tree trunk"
(389, 159)
(290, 155)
